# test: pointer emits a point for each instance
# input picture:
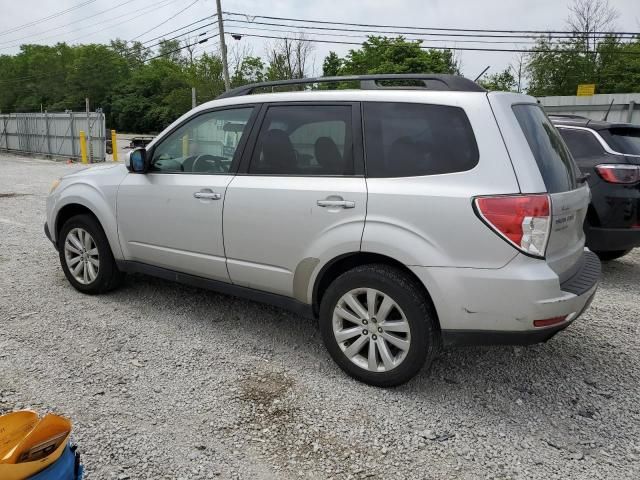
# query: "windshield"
(624, 140)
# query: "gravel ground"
(166, 381)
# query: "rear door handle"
(207, 195)
(336, 203)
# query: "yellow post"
(114, 145)
(185, 145)
(83, 146)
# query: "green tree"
(503, 81)
(557, 69)
(618, 66)
(250, 70)
(331, 65)
(170, 50)
(395, 55)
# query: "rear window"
(411, 139)
(623, 140)
(581, 143)
(551, 154)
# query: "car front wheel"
(85, 256)
(378, 325)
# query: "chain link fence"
(54, 134)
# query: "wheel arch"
(75, 207)
(338, 265)
(68, 211)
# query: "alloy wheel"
(81, 255)
(371, 329)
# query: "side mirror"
(136, 161)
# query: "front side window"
(205, 144)
(304, 140)
(552, 156)
(581, 143)
(413, 139)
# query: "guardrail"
(54, 134)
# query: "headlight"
(54, 185)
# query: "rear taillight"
(619, 173)
(522, 220)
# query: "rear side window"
(413, 139)
(581, 143)
(304, 140)
(551, 154)
(623, 140)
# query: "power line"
(167, 20)
(181, 28)
(69, 24)
(144, 11)
(173, 38)
(436, 47)
(44, 19)
(396, 32)
(326, 22)
(529, 42)
(182, 48)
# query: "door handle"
(336, 203)
(207, 195)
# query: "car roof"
(445, 97)
(577, 121)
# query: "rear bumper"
(608, 239)
(464, 338)
(499, 306)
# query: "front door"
(171, 217)
(302, 197)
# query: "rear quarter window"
(581, 143)
(413, 139)
(552, 155)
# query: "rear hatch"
(548, 155)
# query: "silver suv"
(403, 217)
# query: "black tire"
(108, 277)
(418, 311)
(607, 256)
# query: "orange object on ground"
(38, 446)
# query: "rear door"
(543, 164)
(300, 196)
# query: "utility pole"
(223, 48)
(193, 97)
(520, 76)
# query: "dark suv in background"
(610, 154)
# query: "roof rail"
(370, 82)
(568, 115)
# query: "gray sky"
(137, 16)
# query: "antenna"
(606, 115)
(482, 73)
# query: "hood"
(95, 170)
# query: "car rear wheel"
(611, 255)
(377, 325)
(85, 256)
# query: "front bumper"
(499, 306)
(609, 239)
